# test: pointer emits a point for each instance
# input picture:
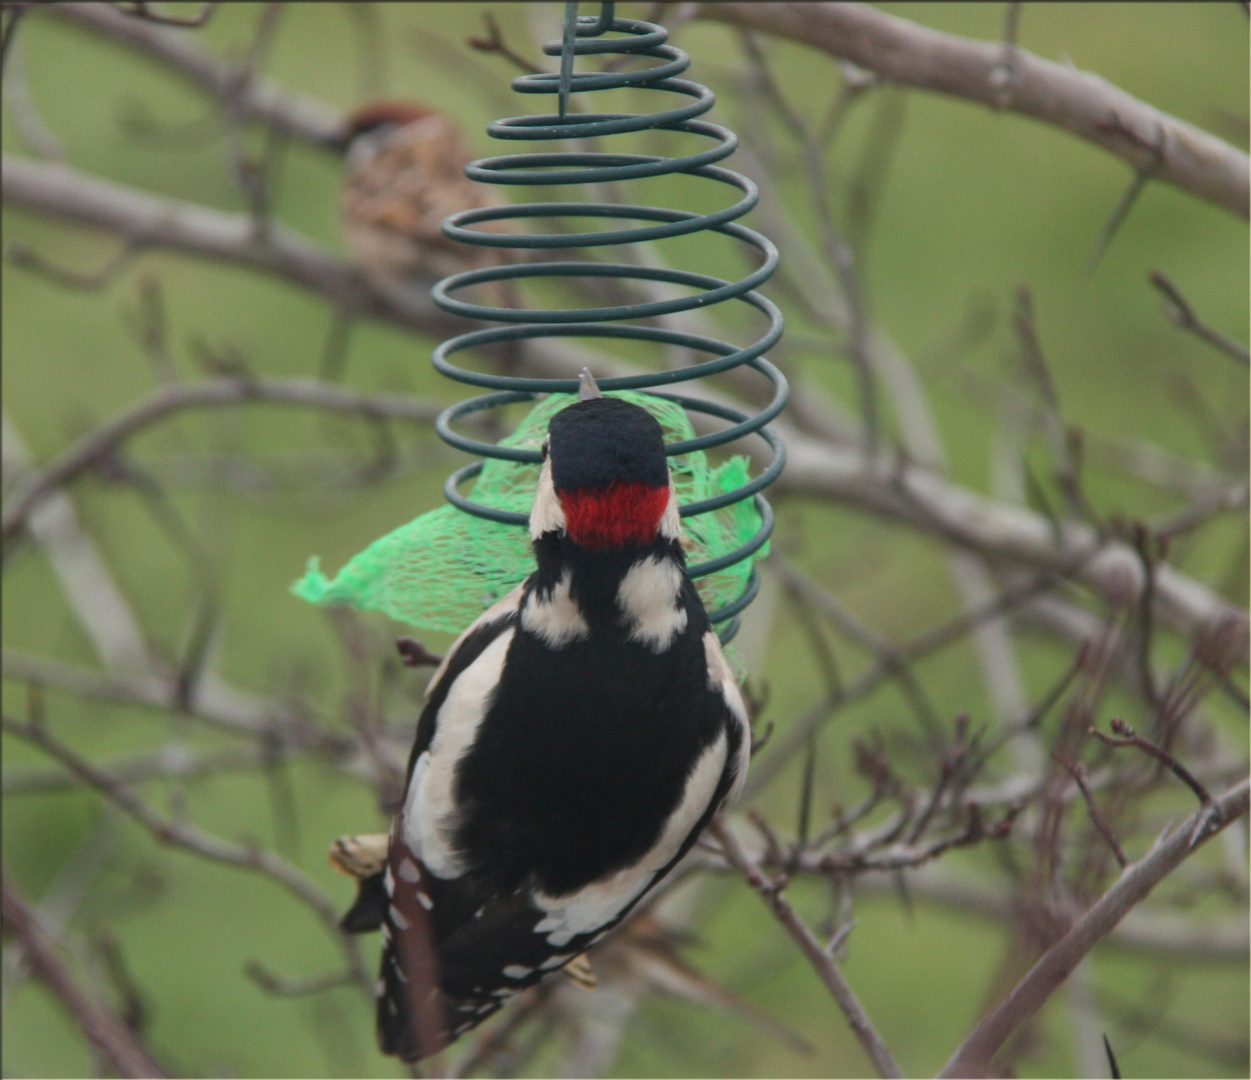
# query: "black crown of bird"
(575, 741)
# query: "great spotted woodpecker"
(575, 741)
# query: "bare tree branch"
(106, 1033)
(973, 1056)
(103, 609)
(904, 52)
(236, 711)
(822, 962)
(151, 221)
(284, 109)
(99, 444)
(1143, 930)
(173, 760)
(885, 485)
(180, 834)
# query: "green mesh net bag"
(442, 570)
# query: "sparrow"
(405, 174)
(575, 741)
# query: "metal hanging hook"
(567, 55)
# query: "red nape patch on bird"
(615, 516)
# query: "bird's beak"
(589, 388)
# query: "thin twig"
(300, 116)
(1180, 311)
(494, 43)
(21, 254)
(187, 836)
(1161, 933)
(822, 962)
(103, 441)
(169, 762)
(1035, 364)
(280, 987)
(838, 252)
(1144, 543)
(1080, 777)
(106, 1033)
(923, 644)
(847, 623)
(1129, 737)
(973, 1056)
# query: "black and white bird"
(575, 741)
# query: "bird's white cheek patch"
(671, 522)
(588, 909)
(648, 597)
(556, 618)
(547, 515)
(430, 811)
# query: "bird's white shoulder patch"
(594, 905)
(555, 616)
(498, 610)
(721, 678)
(430, 810)
(648, 597)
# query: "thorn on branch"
(1129, 737)
(1144, 173)
(1112, 1065)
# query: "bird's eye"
(546, 444)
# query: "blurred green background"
(975, 203)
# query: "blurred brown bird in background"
(406, 173)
